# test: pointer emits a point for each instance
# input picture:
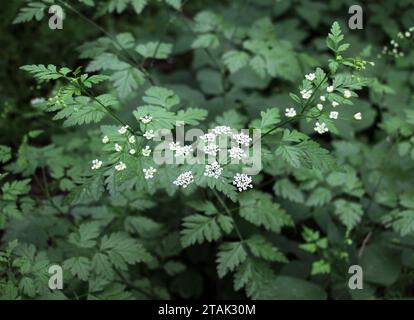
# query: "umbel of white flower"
(146, 119)
(183, 151)
(310, 76)
(333, 115)
(320, 127)
(146, 151)
(237, 153)
(211, 149)
(290, 112)
(208, 137)
(120, 166)
(358, 116)
(213, 170)
(123, 129)
(118, 148)
(96, 164)
(131, 139)
(184, 179)
(149, 134)
(105, 139)
(173, 145)
(242, 139)
(222, 130)
(306, 94)
(242, 181)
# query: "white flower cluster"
(183, 151)
(36, 101)
(306, 94)
(96, 164)
(128, 146)
(242, 139)
(242, 181)
(184, 179)
(290, 112)
(120, 166)
(149, 173)
(118, 148)
(146, 119)
(395, 48)
(208, 137)
(321, 127)
(310, 76)
(123, 129)
(237, 153)
(213, 170)
(222, 130)
(146, 152)
(211, 149)
(149, 134)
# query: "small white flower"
(290, 112)
(310, 76)
(213, 170)
(407, 34)
(211, 149)
(319, 106)
(335, 104)
(358, 116)
(320, 128)
(334, 115)
(237, 153)
(242, 181)
(347, 94)
(131, 139)
(96, 164)
(132, 151)
(183, 151)
(184, 179)
(323, 98)
(105, 139)
(118, 148)
(242, 139)
(306, 94)
(120, 166)
(208, 137)
(123, 129)
(174, 146)
(330, 89)
(222, 130)
(145, 119)
(149, 134)
(146, 151)
(149, 173)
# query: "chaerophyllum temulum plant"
(207, 156)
